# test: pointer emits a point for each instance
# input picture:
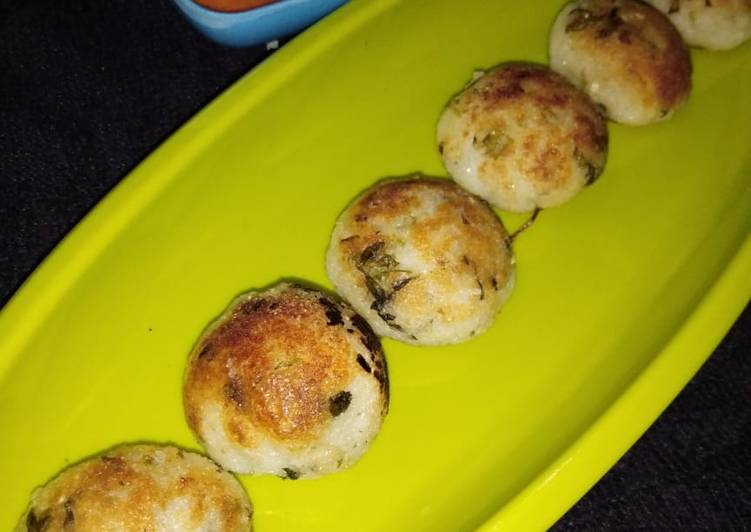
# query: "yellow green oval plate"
(621, 293)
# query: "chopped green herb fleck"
(291, 473)
(377, 266)
(339, 403)
(69, 515)
(495, 143)
(363, 363)
(333, 314)
(36, 524)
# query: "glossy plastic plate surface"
(621, 293)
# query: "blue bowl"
(257, 25)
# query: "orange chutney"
(232, 5)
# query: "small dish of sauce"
(232, 6)
(239, 23)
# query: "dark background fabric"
(89, 88)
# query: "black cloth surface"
(88, 89)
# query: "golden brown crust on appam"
(539, 138)
(405, 248)
(274, 361)
(639, 38)
(386, 203)
(128, 487)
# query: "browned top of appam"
(273, 363)
(390, 201)
(641, 39)
(452, 233)
(542, 116)
(128, 485)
